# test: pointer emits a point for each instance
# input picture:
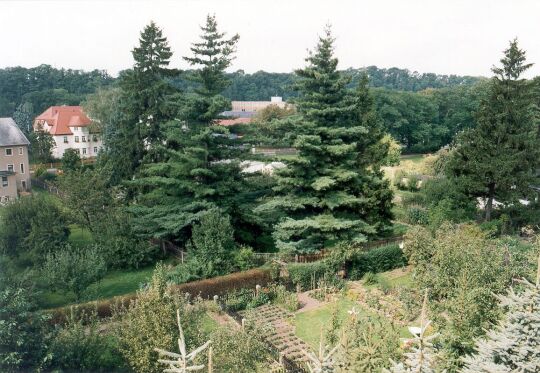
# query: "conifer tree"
(146, 103)
(498, 159)
(200, 168)
(422, 357)
(333, 191)
(514, 345)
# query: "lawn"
(116, 282)
(79, 236)
(308, 324)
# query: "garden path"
(307, 303)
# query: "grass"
(308, 324)
(118, 282)
(79, 236)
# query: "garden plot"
(278, 331)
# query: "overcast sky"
(463, 37)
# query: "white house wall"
(92, 147)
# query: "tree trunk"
(489, 203)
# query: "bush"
(72, 269)
(284, 298)
(306, 275)
(244, 258)
(24, 334)
(369, 278)
(417, 216)
(79, 346)
(376, 260)
(149, 322)
(31, 227)
(238, 351)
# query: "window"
(9, 151)
(22, 168)
(10, 167)
(65, 140)
(84, 139)
(95, 150)
(95, 139)
(84, 151)
(76, 138)
(20, 151)
(4, 181)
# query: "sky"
(445, 37)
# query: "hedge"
(376, 260)
(204, 288)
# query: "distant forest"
(422, 111)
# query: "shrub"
(71, 160)
(417, 216)
(23, 333)
(72, 269)
(212, 245)
(284, 298)
(376, 260)
(306, 275)
(369, 278)
(238, 351)
(149, 322)
(80, 346)
(244, 258)
(32, 226)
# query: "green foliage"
(244, 258)
(307, 275)
(43, 86)
(149, 322)
(70, 269)
(498, 159)
(241, 351)
(514, 344)
(333, 191)
(41, 145)
(376, 260)
(417, 215)
(24, 116)
(80, 346)
(212, 250)
(139, 110)
(32, 226)
(24, 334)
(197, 168)
(463, 271)
(367, 345)
(71, 160)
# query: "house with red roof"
(70, 129)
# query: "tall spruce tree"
(146, 103)
(498, 159)
(333, 191)
(200, 169)
(514, 345)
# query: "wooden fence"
(314, 257)
(45, 186)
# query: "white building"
(70, 129)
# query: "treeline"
(422, 111)
(44, 85)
